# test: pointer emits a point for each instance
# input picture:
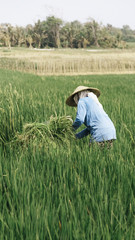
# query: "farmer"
(91, 113)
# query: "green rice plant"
(55, 187)
(130, 134)
(11, 119)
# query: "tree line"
(55, 33)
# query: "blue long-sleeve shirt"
(98, 124)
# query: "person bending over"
(90, 112)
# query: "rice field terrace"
(68, 61)
(53, 186)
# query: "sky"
(24, 12)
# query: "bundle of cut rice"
(56, 129)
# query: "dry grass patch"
(68, 61)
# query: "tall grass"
(66, 192)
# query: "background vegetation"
(55, 33)
(69, 191)
(68, 61)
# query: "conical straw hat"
(70, 100)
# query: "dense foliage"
(54, 32)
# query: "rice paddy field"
(68, 61)
(53, 186)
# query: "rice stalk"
(131, 136)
